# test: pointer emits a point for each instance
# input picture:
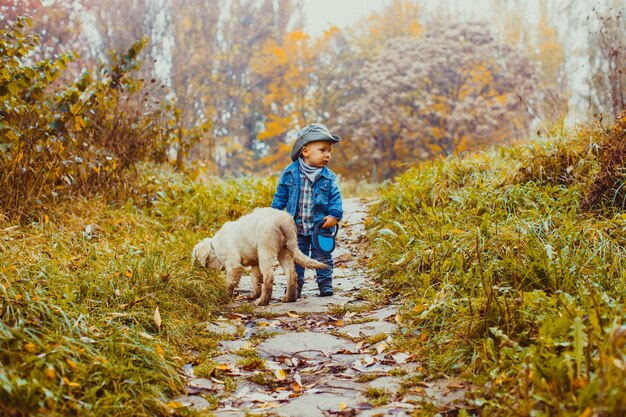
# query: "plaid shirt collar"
(304, 220)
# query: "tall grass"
(79, 291)
(506, 280)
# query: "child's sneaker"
(326, 293)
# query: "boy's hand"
(329, 222)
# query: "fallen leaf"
(159, 350)
(380, 347)
(293, 315)
(30, 347)
(342, 406)
(128, 273)
(297, 379)
(223, 367)
(50, 373)
(419, 308)
(157, 317)
(71, 363)
(175, 404)
(69, 383)
(280, 374)
(217, 381)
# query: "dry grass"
(505, 278)
(78, 333)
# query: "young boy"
(308, 190)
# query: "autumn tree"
(55, 23)
(455, 88)
(240, 95)
(285, 69)
(121, 23)
(540, 41)
(607, 59)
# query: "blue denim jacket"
(326, 195)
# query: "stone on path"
(368, 329)
(307, 344)
(317, 405)
(388, 383)
(383, 313)
(222, 328)
(194, 402)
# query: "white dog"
(256, 240)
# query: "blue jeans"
(324, 277)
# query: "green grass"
(79, 291)
(506, 280)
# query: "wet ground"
(319, 356)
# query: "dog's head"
(204, 253)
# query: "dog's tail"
(288, 227)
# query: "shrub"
(506, 280)
(84, 138)
(608, 187)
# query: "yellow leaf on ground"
(70, 383)
(128, 273)
(175, 404)
(50, 373)
(71, 363)
(342, 406)
(30, 347)
(280, 374)
(295, 387)
(293, 315)
(159, 350)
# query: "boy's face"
(317, 153)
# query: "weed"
(264, 378)
(251, 360)
(376, 396)
(368, 377)
(398, 372)
(372, 340)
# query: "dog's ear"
(201, 252)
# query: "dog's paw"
(290, 298)
(262, 301)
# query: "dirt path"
(329, 356)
